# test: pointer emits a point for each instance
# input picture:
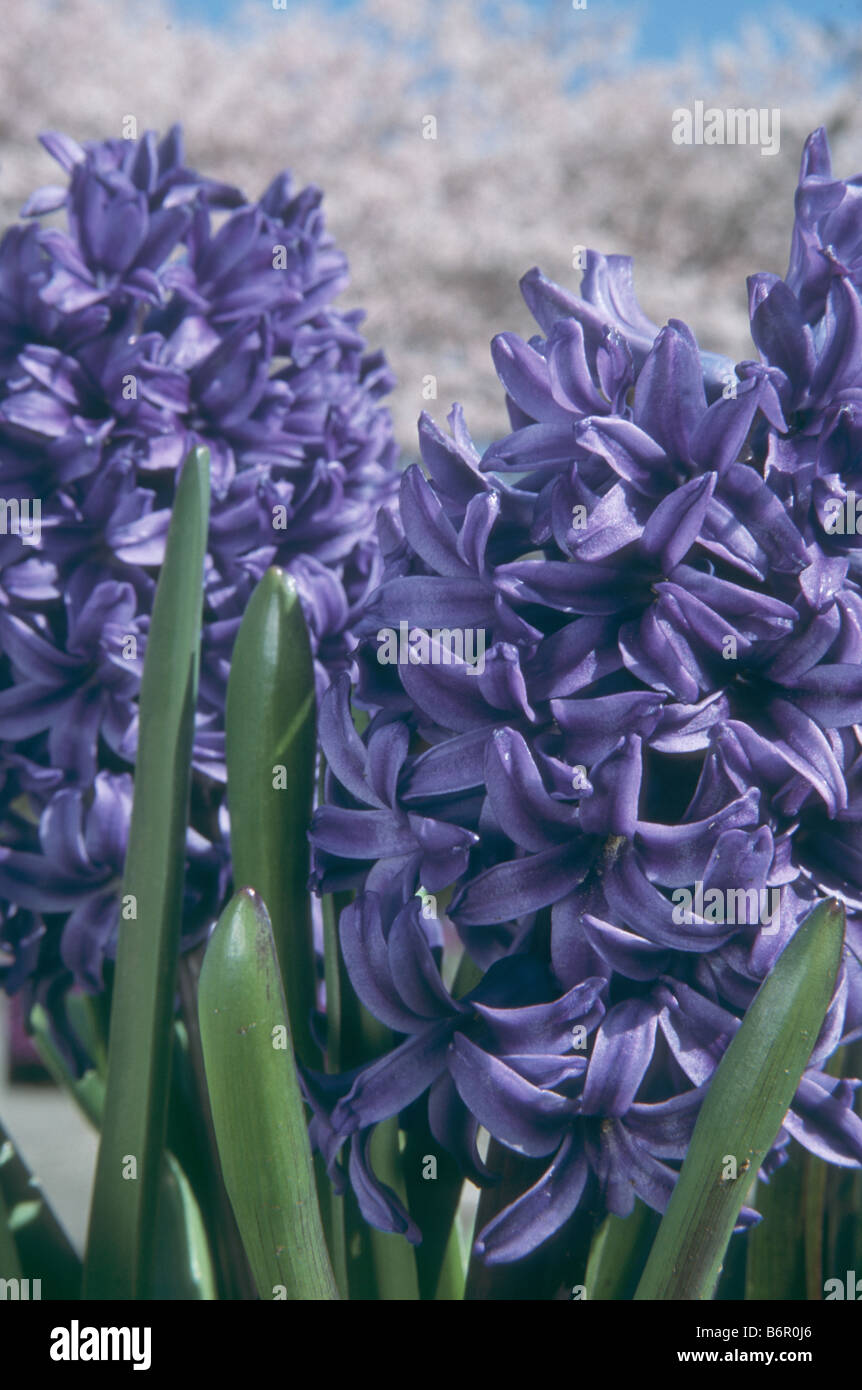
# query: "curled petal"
(522, 1116)
(380, 1206)
(540, 1212)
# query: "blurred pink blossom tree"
(455, 153)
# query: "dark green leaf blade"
(123, 1216)
(618, 1254)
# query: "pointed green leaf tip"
(748, 1098)
(257, 1106)
(270, 740)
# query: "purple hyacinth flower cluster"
(169, 312)
(647, 771)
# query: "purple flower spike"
(169, 311)
(626, 713)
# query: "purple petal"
(621, 1053)
(366, 957)
(543, 1027)
(523, 1117)
(669, 394)
(526, 1223)
(611, 808)
(524, 809)
(380, 1206)
(526, 377)
(389, 1085)
(675, 524)
(510, 890)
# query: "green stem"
(814, 1192)
(775, 1259)
(394, 1260)
(453, 1271)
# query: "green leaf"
(618, 1254)
(749, 1095)
(183, 1264)
(10, 1260)
(87, 1091)
(122, 1220)
(338, 992)
(333, 1203)
(393, 1256)
(31, 1236)
(191, 1139)
(814, 1198)
(775, 1253)
(257, 1106)
(453, 1271)
(85, 1013)
(270, 740)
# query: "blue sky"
(671, 23)
(668, 24)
